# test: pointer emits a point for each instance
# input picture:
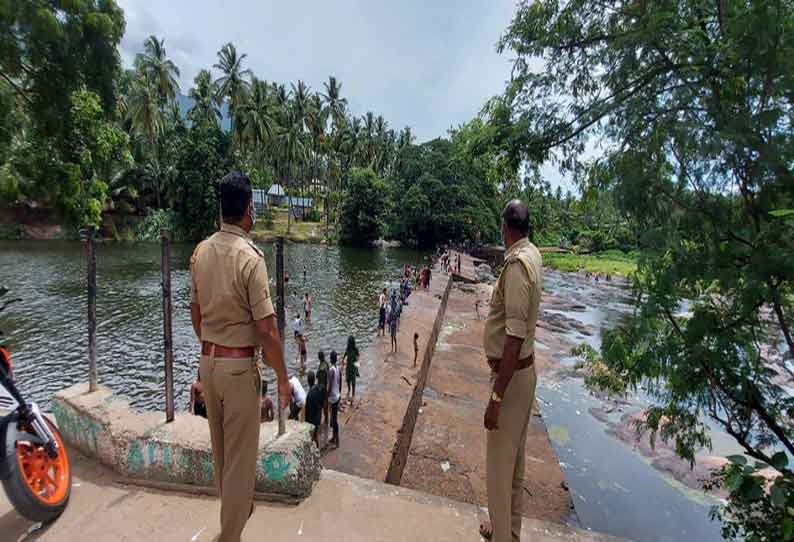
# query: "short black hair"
(235, 193)
(321, 355)
(516, 216)
(310, 378)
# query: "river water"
(614, 488)
(47, 331)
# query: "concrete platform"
(140, 445)
(447, 455)
(342, 508)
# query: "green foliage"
(598, 376)
(363, 206)
(99, 147)
(757, 510)
(202, 160)
(50, 50)
(149, 228)
(692, 102)
(440, 191)
(9, 185)
(612, 262)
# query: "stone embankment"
(141, 446)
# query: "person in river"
(382, 312)
(314, 406)
(197, 404)
(307, 306)
(266, 408)
(302, 351)
(296, 325)
(297, 398)
(394, 320)
(350, 361)
(322, 381)
(509, 344)
(334, 397)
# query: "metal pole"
(165, 238)
(280, 313)
(91, 256)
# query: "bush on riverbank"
(613, 262)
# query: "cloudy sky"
(426, 64)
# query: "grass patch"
(613, 262)
(301, 232)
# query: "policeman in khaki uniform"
(509, 342)
(232, 313)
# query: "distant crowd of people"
(320, 400)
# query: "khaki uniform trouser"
(505, 456)
(231, 392)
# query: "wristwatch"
(495, 397)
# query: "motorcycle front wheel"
(38, 485)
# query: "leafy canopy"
(691, 103)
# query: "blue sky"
(428, 65)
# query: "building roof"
(276, 190)
(302, 202)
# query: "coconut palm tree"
(232, 84)
(258, 119)
(334, 102)
(147, 120)
(206, 106)
(369, 139)
(292, 153)
(316, 121)
(161, 71)
(300, 104)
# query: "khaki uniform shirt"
(515, 301)
(228, 280)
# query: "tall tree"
(160, 70)
(206, 105)
(232, 83)
(694, 101)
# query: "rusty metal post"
(91, 257)
(281, 315)
(165, 238)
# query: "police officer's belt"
(520, 364)
(227, 351)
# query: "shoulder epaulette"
(256, 248)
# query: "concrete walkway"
(342, 508)
(447, 454)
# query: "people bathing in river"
(297, 324)
(302, 352)
(382, 312)
(322, 381)
(334, 397)
(197, 404)
(350, 361)
(394, 319)
(297, 399)
(266, 408)
(307, 306)
(314, 406)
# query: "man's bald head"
(516, 217)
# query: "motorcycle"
(34, 465)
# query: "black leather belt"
(520, 364)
